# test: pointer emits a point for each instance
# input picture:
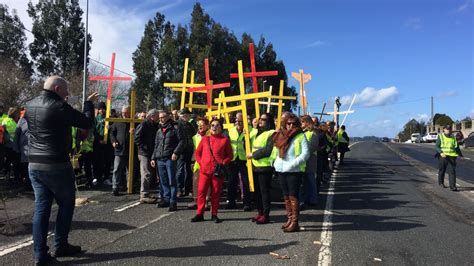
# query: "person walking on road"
(290, 165)
(145, 139)
(212, 153)
(342, 140)
(447, 149)
(203, 130)
(120, 138)
(50, 119)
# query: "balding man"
(50, 119)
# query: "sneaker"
(145, 200)
(263, 220)
(455, 189)
(172, 207)
(66, 251)
(197, 218)
(163, 204)
(46, 260)
(216, 219)
(256, 218)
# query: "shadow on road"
(209, 248)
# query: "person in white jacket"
(293, 152)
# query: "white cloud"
(463, 7)
(317, 43)
(373, 97)
(414, 23)
(448, 93)
(422, 117)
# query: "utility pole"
(432, 111)
(84, 79)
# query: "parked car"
(430, 137)
(385, 139)
(415, 138)
(469, 141)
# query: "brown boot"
(288, 212)
(293, 227)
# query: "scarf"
(282, 139)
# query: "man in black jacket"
(184, 172)
(50, 119)
(120, 138)
(169, 145)
(145, 139)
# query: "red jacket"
(220, 147)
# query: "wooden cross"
(111, 79)
(254, 74)
(209, 86)
(336, 112)
(280, 99)
(302, 78)
(132, 120)
(269, 102)
(243, 98)
(349, 111)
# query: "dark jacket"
(50, 120)
(120, 132)
(169, 139)
(145, 137)
(188, 131)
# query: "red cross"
(209, 87)
(254, 74)
(110, 78)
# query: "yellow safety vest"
(298, 144)
(448, 145)
(196, 140)
(340, 138)
(253, 133)
(73, 137)
(260, 142)
(237, 143)
(10, 125)
(87, 144)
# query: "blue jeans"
(58, 184)
(167, 173)
(309, 192)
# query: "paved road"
(377, 207)
(425, 154)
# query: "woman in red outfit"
(221, 153)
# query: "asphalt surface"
(425, 154)
(384, 211)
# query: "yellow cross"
(280, 103)
(243, 98)
(131, 150)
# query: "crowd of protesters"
(179, 155)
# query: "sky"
(393, 54)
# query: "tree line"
(58, 48)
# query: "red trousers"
(205, 181)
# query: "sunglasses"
(292, 123)
(215, 125)
(263, 119)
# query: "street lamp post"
(84, 76)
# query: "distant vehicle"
(469, 141)
(430, 137)
(415, 138)
(385, 139)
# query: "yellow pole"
(246, 126)
(183, 89)
(131, 143)
(280, 104)
(191, 93)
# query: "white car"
(415, 138)
(430, 137)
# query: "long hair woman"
(213, 150)
(262, 146)
(290, 164)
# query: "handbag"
(220, 170)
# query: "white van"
(415, 138)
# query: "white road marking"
(17, 245)
(325, 254)
(127, 206)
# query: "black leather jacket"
(50, 120)
(168, 142)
